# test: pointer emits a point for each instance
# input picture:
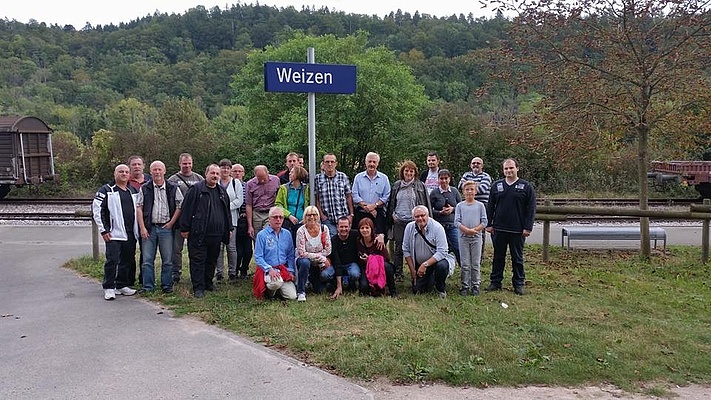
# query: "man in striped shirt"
(483, 181)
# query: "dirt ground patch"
(382, 390)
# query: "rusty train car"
(26, 156)
(693, 173)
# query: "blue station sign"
(309, 78)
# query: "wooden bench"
(610, 233)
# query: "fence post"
(705, 237)
(546, 235)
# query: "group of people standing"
(337, 244)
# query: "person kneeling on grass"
(313, 246)
(377, 271)
(426, 253)
(274, 255)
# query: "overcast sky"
(79, 12)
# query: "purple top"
(261, 196)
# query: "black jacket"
(196, 210)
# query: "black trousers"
(244, 252)
(120, 259)
(203, 254)
(514, 242)
(364, 285)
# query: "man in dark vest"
(158, 208)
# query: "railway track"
(43, 216)
(21, 201)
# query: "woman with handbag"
(406, 193)
(376, 270)
(293, 197)
(313, 246)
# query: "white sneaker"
(301, 297)
(109, 294)
(126, 291)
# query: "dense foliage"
(163, 84)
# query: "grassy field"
(588, 318)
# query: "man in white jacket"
(114, 210)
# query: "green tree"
(383, 109)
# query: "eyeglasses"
(277, 216)
(310, 215)
(476, 163)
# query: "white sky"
(79, 12)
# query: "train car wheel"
(4, 190)
(704, 190)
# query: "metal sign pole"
(312, 133)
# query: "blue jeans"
(307, 271)
(352, 271)
(332, 228)
(158, 239)
(453, 240)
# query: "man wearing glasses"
(333, 194)
(274, 256)
(483, 181)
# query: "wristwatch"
(425, 264)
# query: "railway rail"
(20, 201)
(44, 216)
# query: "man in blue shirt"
(274, 256)
(371, 191)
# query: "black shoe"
(243, 275)
(219, 278)
(176, 279)
(168, 290)
(199, 294)
(463, 292)
(475, 291)
(519, 290)
(211, 289)
(493, 287)
(399, 278)
(233, 278)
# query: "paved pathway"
(61, 340)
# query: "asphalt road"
(61, 340)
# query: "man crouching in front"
(274, 255)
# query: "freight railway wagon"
(25, 153)
(697, 173)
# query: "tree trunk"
(645, 249)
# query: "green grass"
(589, 317)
